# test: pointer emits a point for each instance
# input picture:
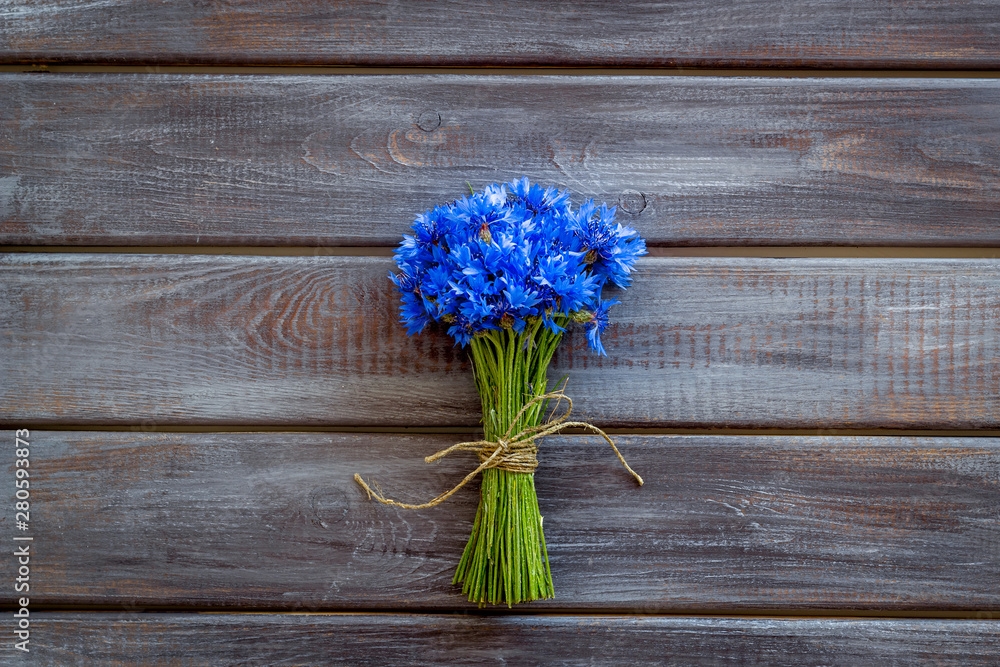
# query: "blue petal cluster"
(512, 255)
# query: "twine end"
(357, 478)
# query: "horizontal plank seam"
(789, 252)
(461, 430)
(790, 614)
(305, 70)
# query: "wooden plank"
(775, 33)
(221, 639)
(276, 521)
(335, 160)
(739, 342)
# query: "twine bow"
(516, 452)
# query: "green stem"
(505, 560)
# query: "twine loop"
(516, 452)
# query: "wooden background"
(199, 332)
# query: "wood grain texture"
(350, 160)
(783, 33)
(276, 521)
(117, 639)
(739, 342)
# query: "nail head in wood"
(632, 202)
(429, 120)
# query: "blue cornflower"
(413, 312)
(478, 215)
(611, 248)
(537, 200)
(520, 297)
(597, 322)
(430, 227)
(461, 330)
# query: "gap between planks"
(44, 68)
(736, 614)
(464, 430)
(890, 252)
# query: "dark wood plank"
(276, 521)
(783, 33)
(742, 342)
(303, 160)
(116, 639)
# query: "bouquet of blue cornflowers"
(507, 270)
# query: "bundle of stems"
(505, 560)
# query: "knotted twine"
(516, 452)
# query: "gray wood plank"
(739, 342)
(276, 521)
(350, 160)
(359, 640)
(783, 33)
